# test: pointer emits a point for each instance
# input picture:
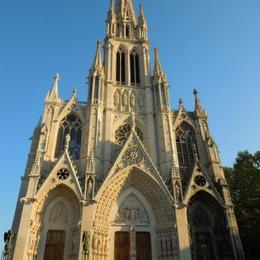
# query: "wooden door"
(55, 243)
(122, 246)
(143, 246)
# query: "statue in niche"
(132, 100)
(124, 99)
(116, 99)
(85, 242)
(177, 193)
(90, 189)
(8, 247)
(95, 241)
(58, 213)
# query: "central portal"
(124, 247)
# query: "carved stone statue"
(67, 142)
(116, 99)
(85, 242)
(124, 99)
(90, 189)
(9, 240)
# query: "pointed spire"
(55, 88)
(199, 110)
(53, 94)
(98, 64)
(142, 18)
(158, 70)
(123, 6)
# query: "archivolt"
(151, 190)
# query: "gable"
(63, 173)
(200, 181)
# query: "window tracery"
(120, 67)
(71, 125)
(134, 68)
(185, 141)
(123, 132)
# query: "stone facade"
(123, 166)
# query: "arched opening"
(133, 202)
(97, 86)
(164, 95)
(209, 235)
(59, 231)
(134, 68)
(185, 141)
(120, 67)
(71, 125)
(127, 31)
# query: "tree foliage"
(244, 183)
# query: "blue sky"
(213, 46)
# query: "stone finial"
(180, 102)
(98, 63)
(199, 110)
(75, 92)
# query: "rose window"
(63, 174)
(200, 180)
(123, 132)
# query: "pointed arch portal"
(209, 235)
(132, 202)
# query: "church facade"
(123, 176)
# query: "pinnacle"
(158, 70)
(54, 93)
(98, 64)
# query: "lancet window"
(134, 68)
(97, 84)
(71, 125)
(185, 141)
(120, 67)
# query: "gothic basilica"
(123, 176)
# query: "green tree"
(244, 183)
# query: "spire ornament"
(98, 64)
(158, 70)
(199, 110)
(53, 94)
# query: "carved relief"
(58, 213)
(132, 211)
(127, 99)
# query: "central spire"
(125, 9)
